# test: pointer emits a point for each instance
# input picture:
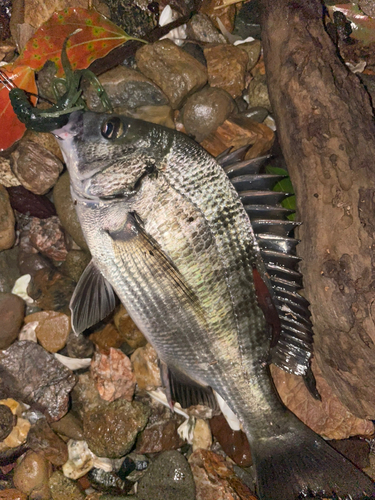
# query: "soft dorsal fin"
(180, 388)
(93, 299)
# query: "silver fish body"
(169, 233)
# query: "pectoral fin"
(92, 300)
(132, 238)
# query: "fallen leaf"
(329, 417)
(11, 128)
(96, 36)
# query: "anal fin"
(180, 388)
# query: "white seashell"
(186, 430)
(73, 363)
(20, 288)
(28, 332)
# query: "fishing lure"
(46, 120)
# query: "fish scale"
(169, 234)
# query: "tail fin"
(302, 465)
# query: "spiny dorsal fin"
(293, 349)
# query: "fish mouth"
(73, 128)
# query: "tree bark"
(327, 134)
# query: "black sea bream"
(169, 235)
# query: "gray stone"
(168, 478)
(177, 73)
(9, 271)
(252, 49)
(34, 376)
(200, 28)
(66, 211)
(258, 93)
(75, 263)
(204, 111)
(125, 87)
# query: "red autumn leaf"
(11, 128)
(96, 38)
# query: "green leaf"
(276, 171)
(285, 186)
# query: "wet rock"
(128, 330)
(168, 478)
(177, 73)
(252, 50)
(28, 332)
(237, 132)
(75, 263)
(32, 474)
(7, 177)
(201, 28)
(234, 443)
(146, 368)
(7, 421)
(202, 437)
(109, 482)
(7, 221)
(214, 478)
(85, 396)
(63, 488)
(44, 441)
(113, 375)
(51, 290)
(9, 272)
(126, 88)
(133, 17)
(66, 211)
(108, 337)
(79, 346)
(48, 237)
(226, 66)
(160, 434)
(12, 494)
(12, 311)
(161, 115)
(196, 51)
(256, 114)
(35, 167)
(30, 263)
(52, 330)
(34, 376)
(28, 203)
(111, 431)
(204, 111)
(69, 426)
(46, 140)
(214, 9)
(329, 417)
(258, 92)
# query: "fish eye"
(112, 128)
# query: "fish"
(172, 238)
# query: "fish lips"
(74, 127)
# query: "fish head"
(108, 155)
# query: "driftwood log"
(327, 134)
